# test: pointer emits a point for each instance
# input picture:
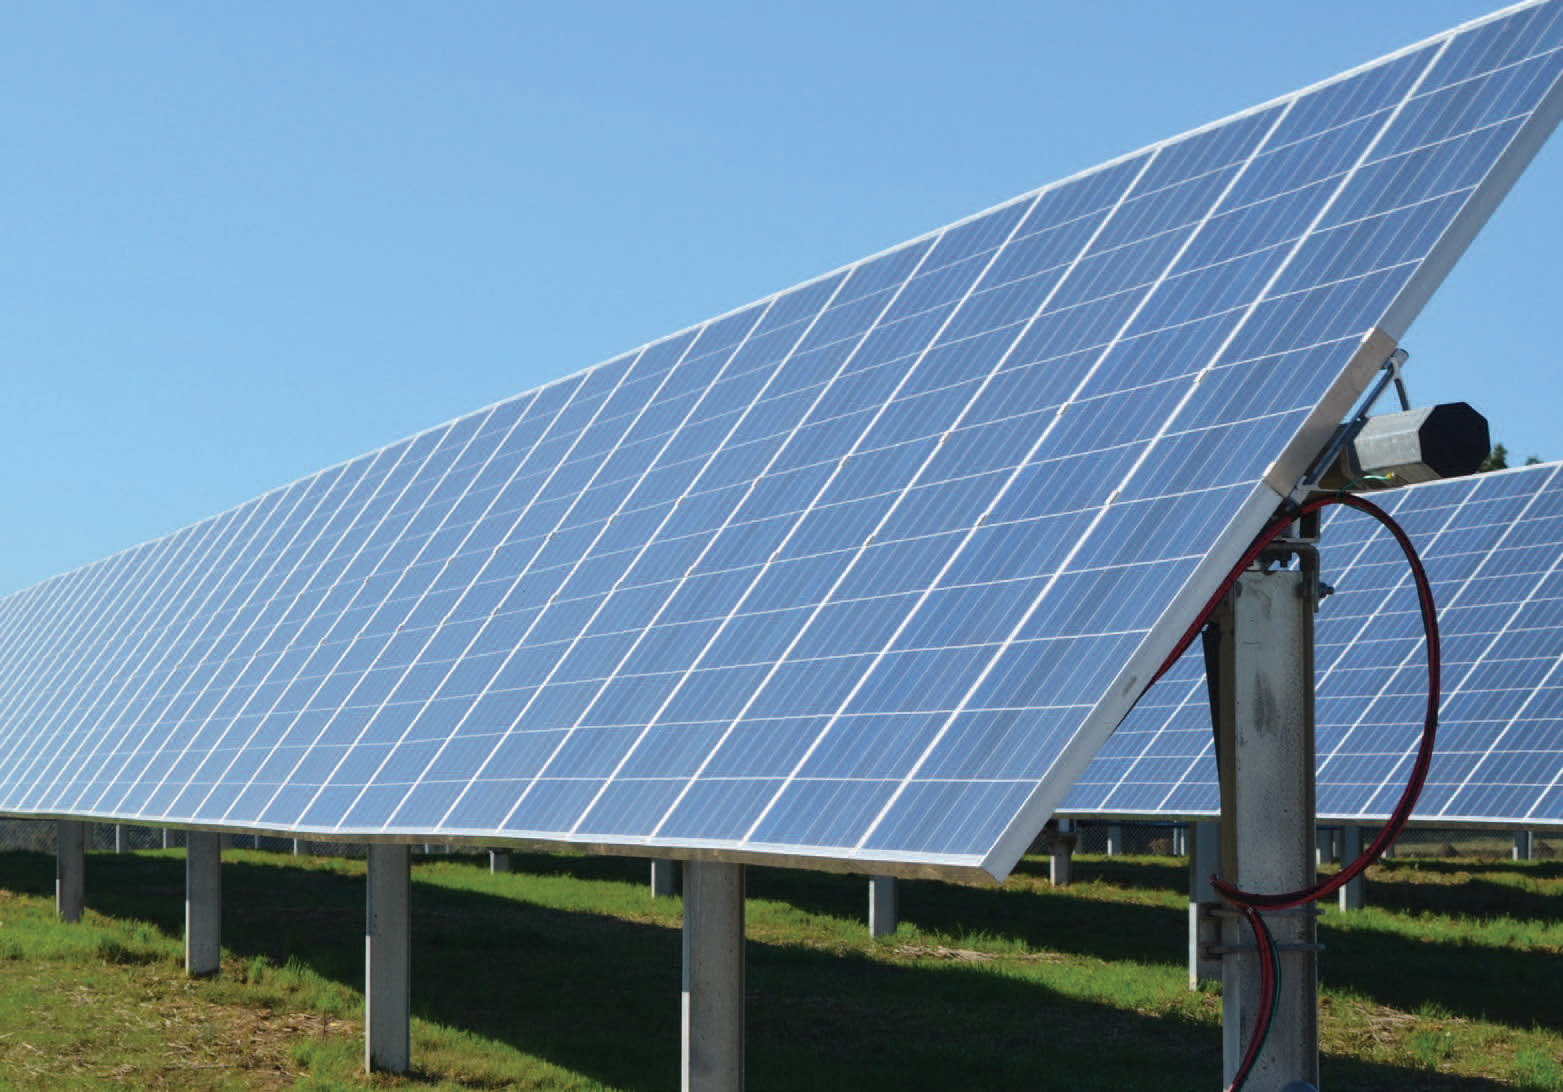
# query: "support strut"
(1259, 659)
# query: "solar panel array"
(861, 573)
(1493, 546)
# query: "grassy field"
(565, 975)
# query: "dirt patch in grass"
(168, 1036)
(253, 1042)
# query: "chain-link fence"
(39, 835)
(1092, 836)
(1171, 839)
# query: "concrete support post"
(70, 869)
(119, 838)
(883, 911)
(1353, 895)
(1114, 839)
(499, 860)
(664, 878)
(1204, 927)
(1260, 654)
(203, 903)
(165, 837)
(388, 960)
(713, 1000)
(1060, 864)
(1524, 845)
(1180, 840)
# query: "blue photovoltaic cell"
(1493, 547)
(864, 572)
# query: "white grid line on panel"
(476, 476)
(93, 657)
(65, 618)
(68, 618)
(1389, 673)
(731, 353)
(454, 471)
(39, 606)
(803, 420)
(764, 567)
(654, 464)
(257, 590)
(50, 711)
(216, 584)
(1197, 763)
(413, 478)
(519, 516)
(1064, 564)
(142, 622)
(1504, 631)
(375, 490)
(544, 436)
(708, 460)
(1260, 297)
(257, 560)
(260, 560)
(830, 723)
(261, 593)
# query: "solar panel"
(1493, 546)
(859, 575)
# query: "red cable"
(1269, 986)
(1252, 902)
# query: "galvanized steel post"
(1263, 677)
(70, 869)
(883, 911)
(388, 960)
(713, 996)
(203, 903)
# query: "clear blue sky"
(243, 242)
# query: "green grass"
(565, 975)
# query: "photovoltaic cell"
(861, 574)
(1493, 548)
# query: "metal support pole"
(1260, 658)
(1204, 926)
(1326, 853)
(119, 837)
(1060, 864)
(1180, 840)
(1524, 845)
(664, 878)
(203, 903)
(883, 911)
(1353, 895)
(70, 869)
(713, 1000)
(1114, 839)
(499, 860)
(388, 960)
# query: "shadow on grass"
(599, 995)
(1467, 888)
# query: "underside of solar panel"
(859, 576)
(1493, 547)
